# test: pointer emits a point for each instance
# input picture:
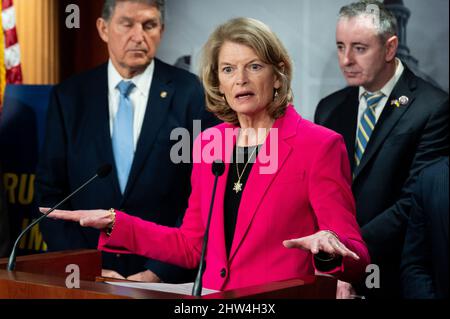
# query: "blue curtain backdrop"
(21, 134)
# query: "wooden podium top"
(44, 276)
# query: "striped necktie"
(366, 124)
(122, 137)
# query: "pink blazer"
(308, 191)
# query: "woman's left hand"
(323, 240)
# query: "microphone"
(102, 171)
(218, 167)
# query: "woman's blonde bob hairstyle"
(257, 36)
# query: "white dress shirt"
(139, 96)
(386, 90)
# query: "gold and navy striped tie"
(366, 124)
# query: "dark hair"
(110, 5)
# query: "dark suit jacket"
(78, 141)
(425, 254)
(405, 139)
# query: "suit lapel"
(388, 119)
(344, 122)
(98, 108)
(348, 124)
(158, 106)
(217, 229)
(258, 183)
(442, 198)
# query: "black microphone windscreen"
(218, 167)
(104, 170)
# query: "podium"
(43, 276)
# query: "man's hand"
(107, 273)
(145, 276)
(345, 290)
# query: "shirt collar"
(142, 81)
(389, 86)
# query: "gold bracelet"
(110, 228)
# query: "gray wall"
(307, 28)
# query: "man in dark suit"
(122, 113)
(393, 123)
(425, 254)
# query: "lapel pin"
(396, 103)
(403, 100)
(163, 94)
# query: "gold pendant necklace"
(238, 185)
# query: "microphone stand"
(218, 169)
(12, 258)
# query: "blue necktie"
(122, 137)
(366, 124)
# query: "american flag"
(10, 69)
